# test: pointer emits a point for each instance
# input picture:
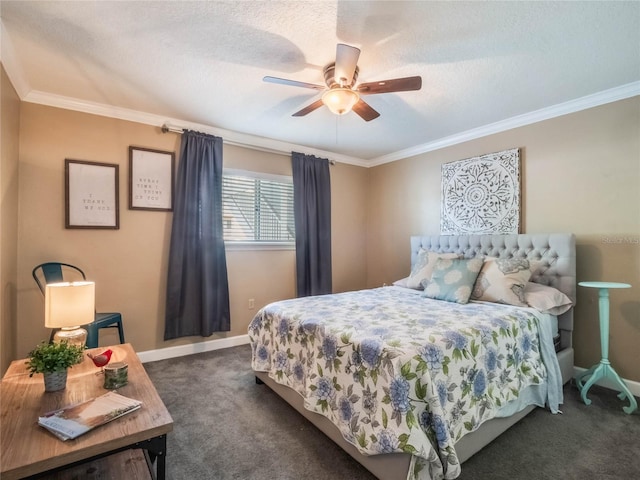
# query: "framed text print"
(91, 195)
(481, 195)
(151, 179)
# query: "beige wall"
(349, 197)
(580, 173)
(129, 264)
(9, 135)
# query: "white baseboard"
(634, 387)
(190, 349)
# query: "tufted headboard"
(555, 254)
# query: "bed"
(411, 385)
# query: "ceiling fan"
(340, 77)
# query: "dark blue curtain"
(312, 213)
(197, 285)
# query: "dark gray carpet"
(227, 427)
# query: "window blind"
(257, 208)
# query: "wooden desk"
(27, 449)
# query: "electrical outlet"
(252, 304)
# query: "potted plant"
(53, 360)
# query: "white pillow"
(546, 299)
(502, 281)
(401, 283)
(423, 268)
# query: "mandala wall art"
(481, 195)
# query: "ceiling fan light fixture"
(340, 100)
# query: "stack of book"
(74, 420)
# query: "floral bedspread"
(397, 372)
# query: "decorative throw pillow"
(452, 279)
(423, 268)
(503, 281)
(546, 299)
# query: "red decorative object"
(102, 359)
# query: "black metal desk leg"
(156, 450)
(161, 460)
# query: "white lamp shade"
(69, 304)
(340, 100)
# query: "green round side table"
(603, 369)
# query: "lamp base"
(71, 335)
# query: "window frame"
(258, 244)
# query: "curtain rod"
(168, 128)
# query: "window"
(257, 208)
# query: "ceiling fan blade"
(387, 86)
(293, 83)
(365, 111)
(346, 62)
(308, 109)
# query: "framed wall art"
(91, 195)
(481, 195)
(151, 178)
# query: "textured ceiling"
(203, 62)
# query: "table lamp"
(67, 306)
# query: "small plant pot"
(55, 381)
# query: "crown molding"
(230, 137)
(11, 65)
(606, 96)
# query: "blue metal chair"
(53, 272)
